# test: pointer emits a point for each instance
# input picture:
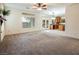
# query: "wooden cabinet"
(58, 19)
(61, 27)
(55, 26)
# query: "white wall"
(14, 23)
(72, 20)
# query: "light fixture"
(40, 6)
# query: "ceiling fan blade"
(35, 6)
(44, 5)
(40, 5)
(44, 8)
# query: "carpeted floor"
(39, 43)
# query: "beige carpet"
(39, 43)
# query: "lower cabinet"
(61, 27)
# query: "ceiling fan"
(40, 6)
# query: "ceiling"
(51, 7)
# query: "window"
(28, 22)
(43, 23)
(47, 23)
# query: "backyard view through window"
(28, 22)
